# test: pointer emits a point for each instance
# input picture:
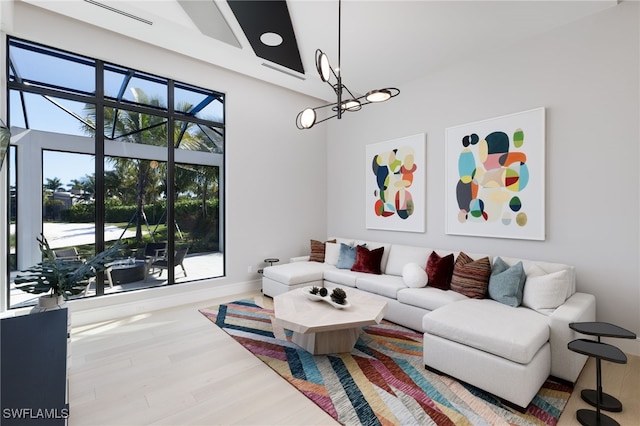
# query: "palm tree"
(113, 188)
(133, 127)
(138, 128)
(206, 180)
(53, 184)
(83, 187)
(88, 186)
(75, 184)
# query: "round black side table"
(601, 329)
(271, 261)
(599, 351)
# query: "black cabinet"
(33, 369)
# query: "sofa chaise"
(506, 339)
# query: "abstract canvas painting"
(395, 184)
(495, 177)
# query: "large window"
(111, 155)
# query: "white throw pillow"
(414, 275)
(331, 253)
(547, 291)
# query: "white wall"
(586, 75)
(275, 174)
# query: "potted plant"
(61, 278)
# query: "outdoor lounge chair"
(154, 251)
(70, 253)
(163, 263)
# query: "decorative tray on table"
(317, 297)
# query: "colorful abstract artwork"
(395, 184)
(495, 177)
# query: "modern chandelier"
(346, 100)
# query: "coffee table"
(319, 328)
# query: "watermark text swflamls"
(35, 413)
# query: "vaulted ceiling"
(385, 43)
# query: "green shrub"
(81, 213)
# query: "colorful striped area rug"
(383, 381)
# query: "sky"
(66, 166)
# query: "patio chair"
(154, 251)
(70, 253)
(163, 263)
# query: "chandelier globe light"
(346, 101)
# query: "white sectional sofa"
(505, 350)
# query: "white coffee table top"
(299, 314)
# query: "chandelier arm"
(323, 106)
(352, 95)
(318, 121)
(325, 119)
(334, 74)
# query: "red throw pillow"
(439, 270)
(368, 260)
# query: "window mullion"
(171, 185)
(99, 170)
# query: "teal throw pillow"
(347, 256)
(506, 283)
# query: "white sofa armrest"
(566, 364)
(299, 259)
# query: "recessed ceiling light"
(271, 39)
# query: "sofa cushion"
(342, 276)
(512, 333)
(384, 285)
(428, 298)
(368, 261)
(545, 291)
(400, 255)
(331, 253)
(471, 277)
(347, 256)
(413, 275)
(439, 270)
(506, 282)
(296, 272)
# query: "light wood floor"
(174, 367)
